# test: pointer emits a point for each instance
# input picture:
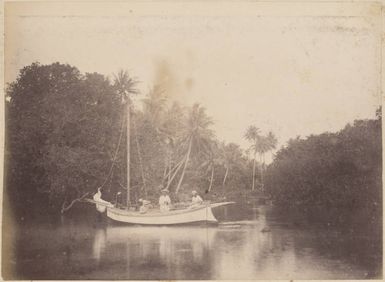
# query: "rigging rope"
(115, 155)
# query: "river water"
(249, 243)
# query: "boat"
(193, 214)
(200, 214)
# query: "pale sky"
(289, 68)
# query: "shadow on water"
(249, 243)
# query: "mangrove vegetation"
(65, 137)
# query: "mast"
(128, 149)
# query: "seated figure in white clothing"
(98, 198)
(145, 205)
(196, 200)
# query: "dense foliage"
(334, 172)
(66, 136)
(60, 133)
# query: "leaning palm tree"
(197, 136)
(211, 158)
(252, 135)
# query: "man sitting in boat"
(98, 198)
(196, 199)
(145, 205)
(164, 201)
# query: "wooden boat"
(201, 213)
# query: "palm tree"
(271, 140)
(154, 110)
(211, 159)
(171, 129)
(261, 147)
(252, 135)
(125, 87)
(197, 136)
(270, 143)
(154, 106)
(230, 158)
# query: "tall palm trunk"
(225, 177)
(169, 174)
(261, 156)
(185, 165)
(253, 187)
(212, 177)
(128, 152)
(263, 168)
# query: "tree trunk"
(225, 177)
(171, 170)
(253, 187)
(175, 173)
(262, 163)
(184, 168)
(212, 177)
(128, 152)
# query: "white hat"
(194, 192)
(165, 190)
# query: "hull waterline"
(201, 214)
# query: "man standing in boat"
(164, 201)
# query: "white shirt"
(164, 200)
(196, 199)
(98, 198)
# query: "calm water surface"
(249, 243)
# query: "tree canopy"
(65, 137)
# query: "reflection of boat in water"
(169, 250)
(201, 213)
(118, 234)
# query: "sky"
(287, 68)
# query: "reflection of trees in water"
(251, 253)
(264, 248)
(275, 258)
(336, 250)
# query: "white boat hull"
(200, 214)
(155, 217)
